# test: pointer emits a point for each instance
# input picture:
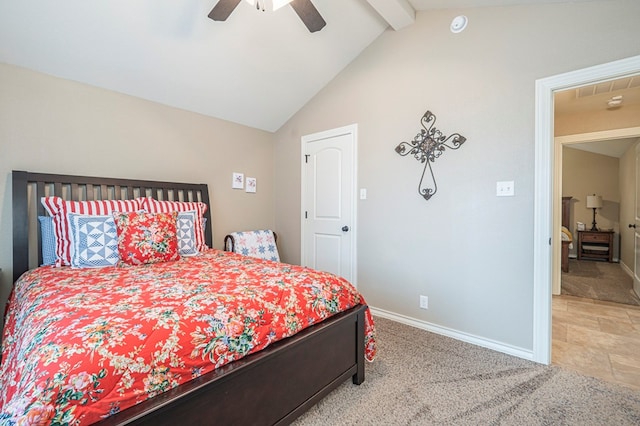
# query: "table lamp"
(594, 202)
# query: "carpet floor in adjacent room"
(599, 281)
(421, 378)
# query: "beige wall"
(58, 126)
(571, 124)
(468, 250)
(585, 173)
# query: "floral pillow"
(147, 237)
(154, 206)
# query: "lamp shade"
(594, 201)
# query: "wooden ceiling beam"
(398, 13)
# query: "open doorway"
(597, 265)
(546, 208)
(599, 262)
(549, 192)
(595, 132)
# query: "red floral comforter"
(81, 344)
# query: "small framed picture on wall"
(252, 184)
(238, 181)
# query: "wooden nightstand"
(595, 245)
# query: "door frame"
(636, 235)
(352, 130)
(544, 203)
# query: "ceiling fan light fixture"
(277, 4)
(305, 10)
(270, 5)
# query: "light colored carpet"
(421, 378)
(600, 281)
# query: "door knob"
(632, 225)
(345, 228)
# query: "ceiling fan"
(304, 8)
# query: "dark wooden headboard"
(566, 211)
(28, 188)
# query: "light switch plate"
(505, 189)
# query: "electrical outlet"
(424, 302)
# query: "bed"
(271, 386)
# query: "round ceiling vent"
(459, 23)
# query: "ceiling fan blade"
(309, 14)
(223, 9)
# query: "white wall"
(468, 250)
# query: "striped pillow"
(59, 210)
(154, 206)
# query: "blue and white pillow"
(185, 225)
(94, 241)
(260, 244)
(47, 240)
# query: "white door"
(636, 266)
(328, 201)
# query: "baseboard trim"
(626, 269)
(455, 334)
(629, 272)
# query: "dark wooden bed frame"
(273, 386)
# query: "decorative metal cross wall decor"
(426, 146)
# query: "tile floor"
(597, 338)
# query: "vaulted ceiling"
(256, 68)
